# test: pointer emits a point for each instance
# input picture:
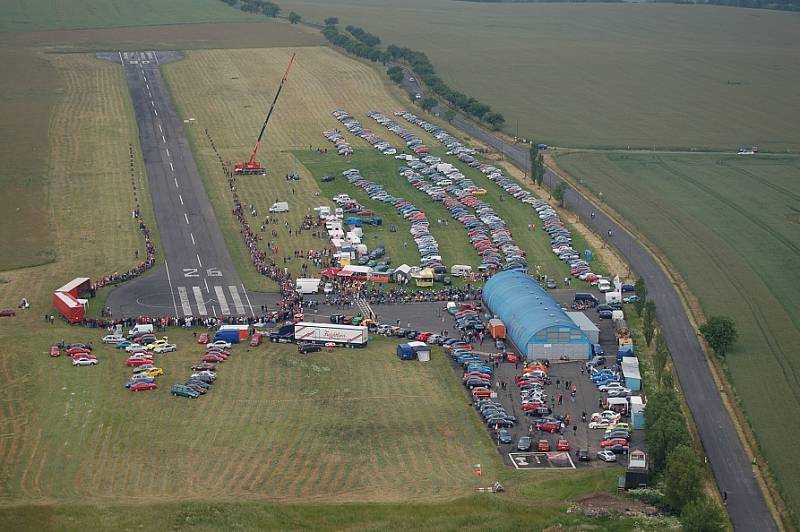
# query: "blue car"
(123, 344)
(143, 379)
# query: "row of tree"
(269, 9)
(364, 44)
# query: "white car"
(143, 367)
(168, 348)
(613, 386)
(619, 392)
(133, 348)
(83, 361)
(113, 338)
(608, 415)
(210, 374)
(607, 456)
(600, 424)
(220, 343)
(328, 288)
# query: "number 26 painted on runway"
(213, 272)
(190, 272)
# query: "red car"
(548, 426)
(543, 446)
(255, 340)
(84, 354)
(142, 386)
(476, 374)
(205, 366)
(617, 445)
(481, 392)
(214, 359)
(562, 445)
(7, 312)
(218, 353)
(423, 336)
(133, 362)
(77, 349)
(55, 351)
(532, 405)
(203, 338)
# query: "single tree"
(641, 296)
(533, 153)
(682, 477)
(560, 192)
(428, 103)
(660, 359)
(720, 333)
(649, 321)
(702, 515)
(294, 18)
(538, 169)
(449, 115)
(496, 120)
(331, 21)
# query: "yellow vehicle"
(157, 343)
(479, 192)
(153, 372)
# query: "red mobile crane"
(253, 167)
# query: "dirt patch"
(603, 504)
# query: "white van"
(460, 270)
(604, 285)
(141, 328)
(279, 206)
(307, 286)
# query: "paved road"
(198, 277)
(729, 462)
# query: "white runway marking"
(159, 128)
(248, 301)
(121, 60)
(205, 282)
(171, 291)
(237, 301)
(198, 297)
(180, 198)
(145, 77)
(163, 139)
(214, 310)
(152, 103)
(156, 112)
(168, 155)
(187, 308)
(192, 235)
(170, 164)
(223, 303)
(198, 260)
(186, 216)
(176, 181)
(149, 93)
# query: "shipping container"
(497, 328)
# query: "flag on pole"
(617, 283)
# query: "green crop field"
(606, 74)
(731, 227)
(38, 15)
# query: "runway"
(197, 277)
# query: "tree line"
(364, 44)
(269, 9)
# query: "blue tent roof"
(528, 312)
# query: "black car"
(583, 455)
(327, 178)
(204, 384)
(411, 334)
(525, 444)
(308, 348)
(196, 387)
(504, 437)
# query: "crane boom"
(269, 113)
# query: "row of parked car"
(337, 138)
(487, 231)
(204, 373)
(355, 127)
(413, 142)
(420, 227)
(454, 147)
(79, 354)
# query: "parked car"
(203, 338)
(142, 385)
(583, 455)
(606, 456)
(55, 351)
(165, 348)
(137, 379)
(220, 343)
(543, 446)
(84, 361)
(504, 437)
(152, 372)
(562, 445)
(112, 338)
(181, 390)
(308, 348)
(525, 444)
(255, 340)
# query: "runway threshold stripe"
(184, 297)
(237, 301)
(223, 303)
(198, 298)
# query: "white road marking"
(155, 55)
(149, 93)
(168, 155)
(145, 77)
(253, 314)
(192, 235)
(176, 181)
(198, 297)
(121, 60)
(205, 282)
(180, 198)
(186, 216)
(187, 308)
(159, 128)
(214, 310)
(171, 291)
(223, 303)
(172, 168)
(152, 103)
(237, 301)
(163, 139)
(198, 259)
(156, 112)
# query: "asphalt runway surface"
(729, 462)
(197, 278)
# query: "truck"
(307, 285)
(232, 333)
(497, 329)
(279, 206)
(283, 334)
(141, 328)
(323, 333)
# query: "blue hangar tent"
(535, 323)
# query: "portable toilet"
(637, 412)
(587, 255)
